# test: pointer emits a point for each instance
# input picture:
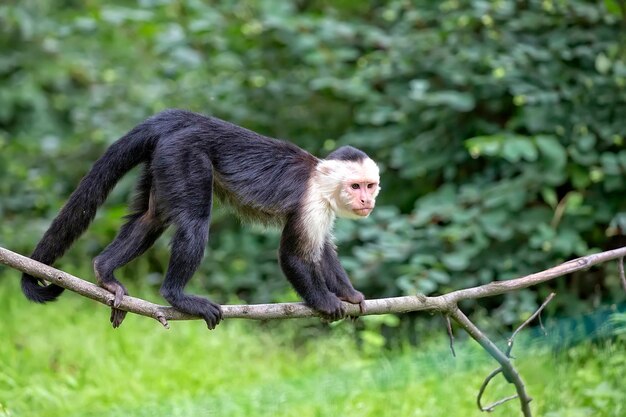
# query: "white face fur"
(337, 188)
(349, 187)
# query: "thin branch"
(493, 405)
(499, 370)
(501, 287)
(620, 268)
(450, 334)
(543, 329)
(528, 320)
(506, 367)
(482, 389)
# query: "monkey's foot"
(329, 308)
(197, 306)
(119, 291)
(356, 297)
(117, 317)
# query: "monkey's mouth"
(364, 211)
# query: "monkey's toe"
(117, 317)
(332, 309)
(117, 289)
(212, 315)
(356, 298)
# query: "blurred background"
(499, 127)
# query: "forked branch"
(446, 304)
(513, 378)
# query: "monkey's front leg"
(310, 286)
(337, 280)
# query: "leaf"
(603, 64)
(484, 145)
(549, 196)
(551, 149)
(462, 102)
(574, 201)
(515, 148)
(455, 261)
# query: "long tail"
(79, 211)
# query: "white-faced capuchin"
(187, 158)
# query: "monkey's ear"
(324, 169)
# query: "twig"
(502, 287)
(528, 320)
(620, 268)
(543, 329)
(483, 387)
(450, 334)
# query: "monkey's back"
(263, 178)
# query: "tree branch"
(506, 367)
(499, 370)
(253, 311)
(419, 302)
(446, 304)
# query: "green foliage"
(498, 125)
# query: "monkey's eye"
(355, 186)
(371, 185)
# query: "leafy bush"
(498, 125)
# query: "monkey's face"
(359, 189)
(350, 187)
(360, 196)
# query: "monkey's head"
(351, 182)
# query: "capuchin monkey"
(187, 159)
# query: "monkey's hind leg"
(183, 179)
(188, 246)
(134, 238)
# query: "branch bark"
(442, 303)
(447, 304)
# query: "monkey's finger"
(212, 320)
(362, 307)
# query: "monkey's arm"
(337, 279)
(306, 279)
(310, 286)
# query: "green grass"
(64, 359)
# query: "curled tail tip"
(37, 293)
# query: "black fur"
(347, 153)
(187, 157)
